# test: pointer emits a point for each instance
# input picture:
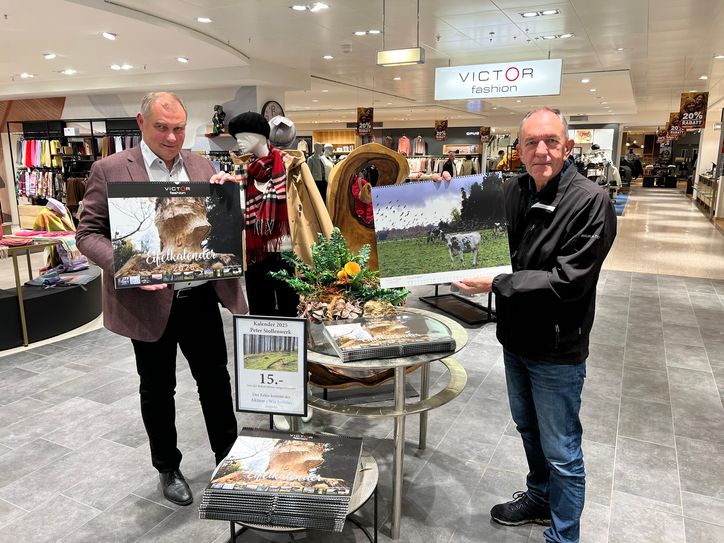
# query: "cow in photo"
(459, 244)
(434, 234)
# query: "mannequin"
(328, 158)
(282, 211)
(319, 173)
(265, 220)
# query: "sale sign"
(693, 110)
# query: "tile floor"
(74, 461)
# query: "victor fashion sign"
(504, 80)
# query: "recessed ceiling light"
(549, 37)
(374, 32)
(703, 77)
(109, 36)
(604, 103)
(315, 100)
(115, 66)
(591, 90)
(327, 57)
(585, 80)
(530, 14)
(398, 78)
(619, 49)
(203, 19)
(518, 101)
(550, 12)
(49, 56)
(126, 66)
(317, 6)
(299, 7)
(182, 60)
(719, 57)
(360, 33)
(389, 103)
(693, 90)
(566, 35)
(325, 90)
(26, 75)
(495, 108)
(69, 71)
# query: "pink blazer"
(136, 313)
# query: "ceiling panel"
(668, 44)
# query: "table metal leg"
(424, 395)
(294, 424)
(399, 456)
(30, 266)
(21, 302)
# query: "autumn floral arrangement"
(338, 283)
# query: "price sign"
(270, 359)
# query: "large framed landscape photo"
(174, 232)
(432, 232)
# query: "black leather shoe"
(175, 487)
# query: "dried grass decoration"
(338, 283)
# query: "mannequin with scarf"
(266, 221)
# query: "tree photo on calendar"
(169, 232)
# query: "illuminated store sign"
(505, 80)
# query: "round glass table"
(457, 378)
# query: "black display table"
(49, 312)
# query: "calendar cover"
(432, 232)
(174, 232)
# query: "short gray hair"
(160, 96)
(556, 112)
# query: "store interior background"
(639, 55)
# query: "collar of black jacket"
(547, 200)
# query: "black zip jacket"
(558, 240)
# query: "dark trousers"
(266, 295)
(194, 325)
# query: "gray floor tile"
(37, 454)
(37, 383)
(715, 352)
(679, 334)
(647, 356)
(57, 518)
(23, 408)
(9, 513)
(125, 521)
(695, 467)
(14, 375)
(605, 355)
(600, 420)
(510, 456)
(702, 532)
(687, 356)
(648, 470)
(678, 315)
(39, 425)
(646, 421)
(703, 508)
(602, 384)
(594, 523)
(644, 384)
(631, 521)
(79, 386)
(598, 460)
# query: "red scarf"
(265, 217)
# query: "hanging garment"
(419, 148)
(403, 145)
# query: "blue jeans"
(545, 400)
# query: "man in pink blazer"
(158, 318)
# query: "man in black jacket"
(560, 229)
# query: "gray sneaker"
(521, 510)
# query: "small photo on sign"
(266, 352)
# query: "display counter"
(49, 312)
(705, 194)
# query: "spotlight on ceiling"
(109, 36)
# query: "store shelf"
(705, 193)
